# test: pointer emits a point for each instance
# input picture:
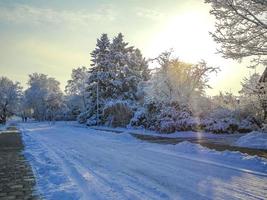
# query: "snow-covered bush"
(229, 115)
(139, 119)
(82, 117)
(188, 123)
(168, 118)
(264, 128)
(229, 125)
(92, 121)
(72, 107)
(165, 118)
(117, 113)
(175, 118)
(167, 126)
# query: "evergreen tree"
(100, 77)
(115, 74)
(130, 68)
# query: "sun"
(188, 35)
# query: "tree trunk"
(3, 119)
(4, 116)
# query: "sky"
(53, 37)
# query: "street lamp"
(97, 99)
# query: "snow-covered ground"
(257, 140)
(72, 162)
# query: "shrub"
(117, 113)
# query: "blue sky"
(52, 37)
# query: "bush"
(82, 117)
(230, 125)
(91, 121)
(168, 118)
(117, 113)
(165, 118)
(139, 119)
(167, 126)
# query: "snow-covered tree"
(10, 95)
(226, 100)
(177, 81)
(72, 107)
(130, 68)
(175, 96)
(253, 96)
(53, 99)
(241, 28)
(99, 87)
(115, 75)
(226, 105)
(76, 89)
(43, 96)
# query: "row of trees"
(115, 74)
(172, 99)
(41, 101)
(119, 88)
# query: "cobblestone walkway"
(16, 177)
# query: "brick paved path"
(16, 177)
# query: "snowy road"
(78, 163)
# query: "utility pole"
(97, 98)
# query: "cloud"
(150, 14)
(24, 14)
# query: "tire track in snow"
(106, 167)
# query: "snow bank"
(254, 139)
(229, 159)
